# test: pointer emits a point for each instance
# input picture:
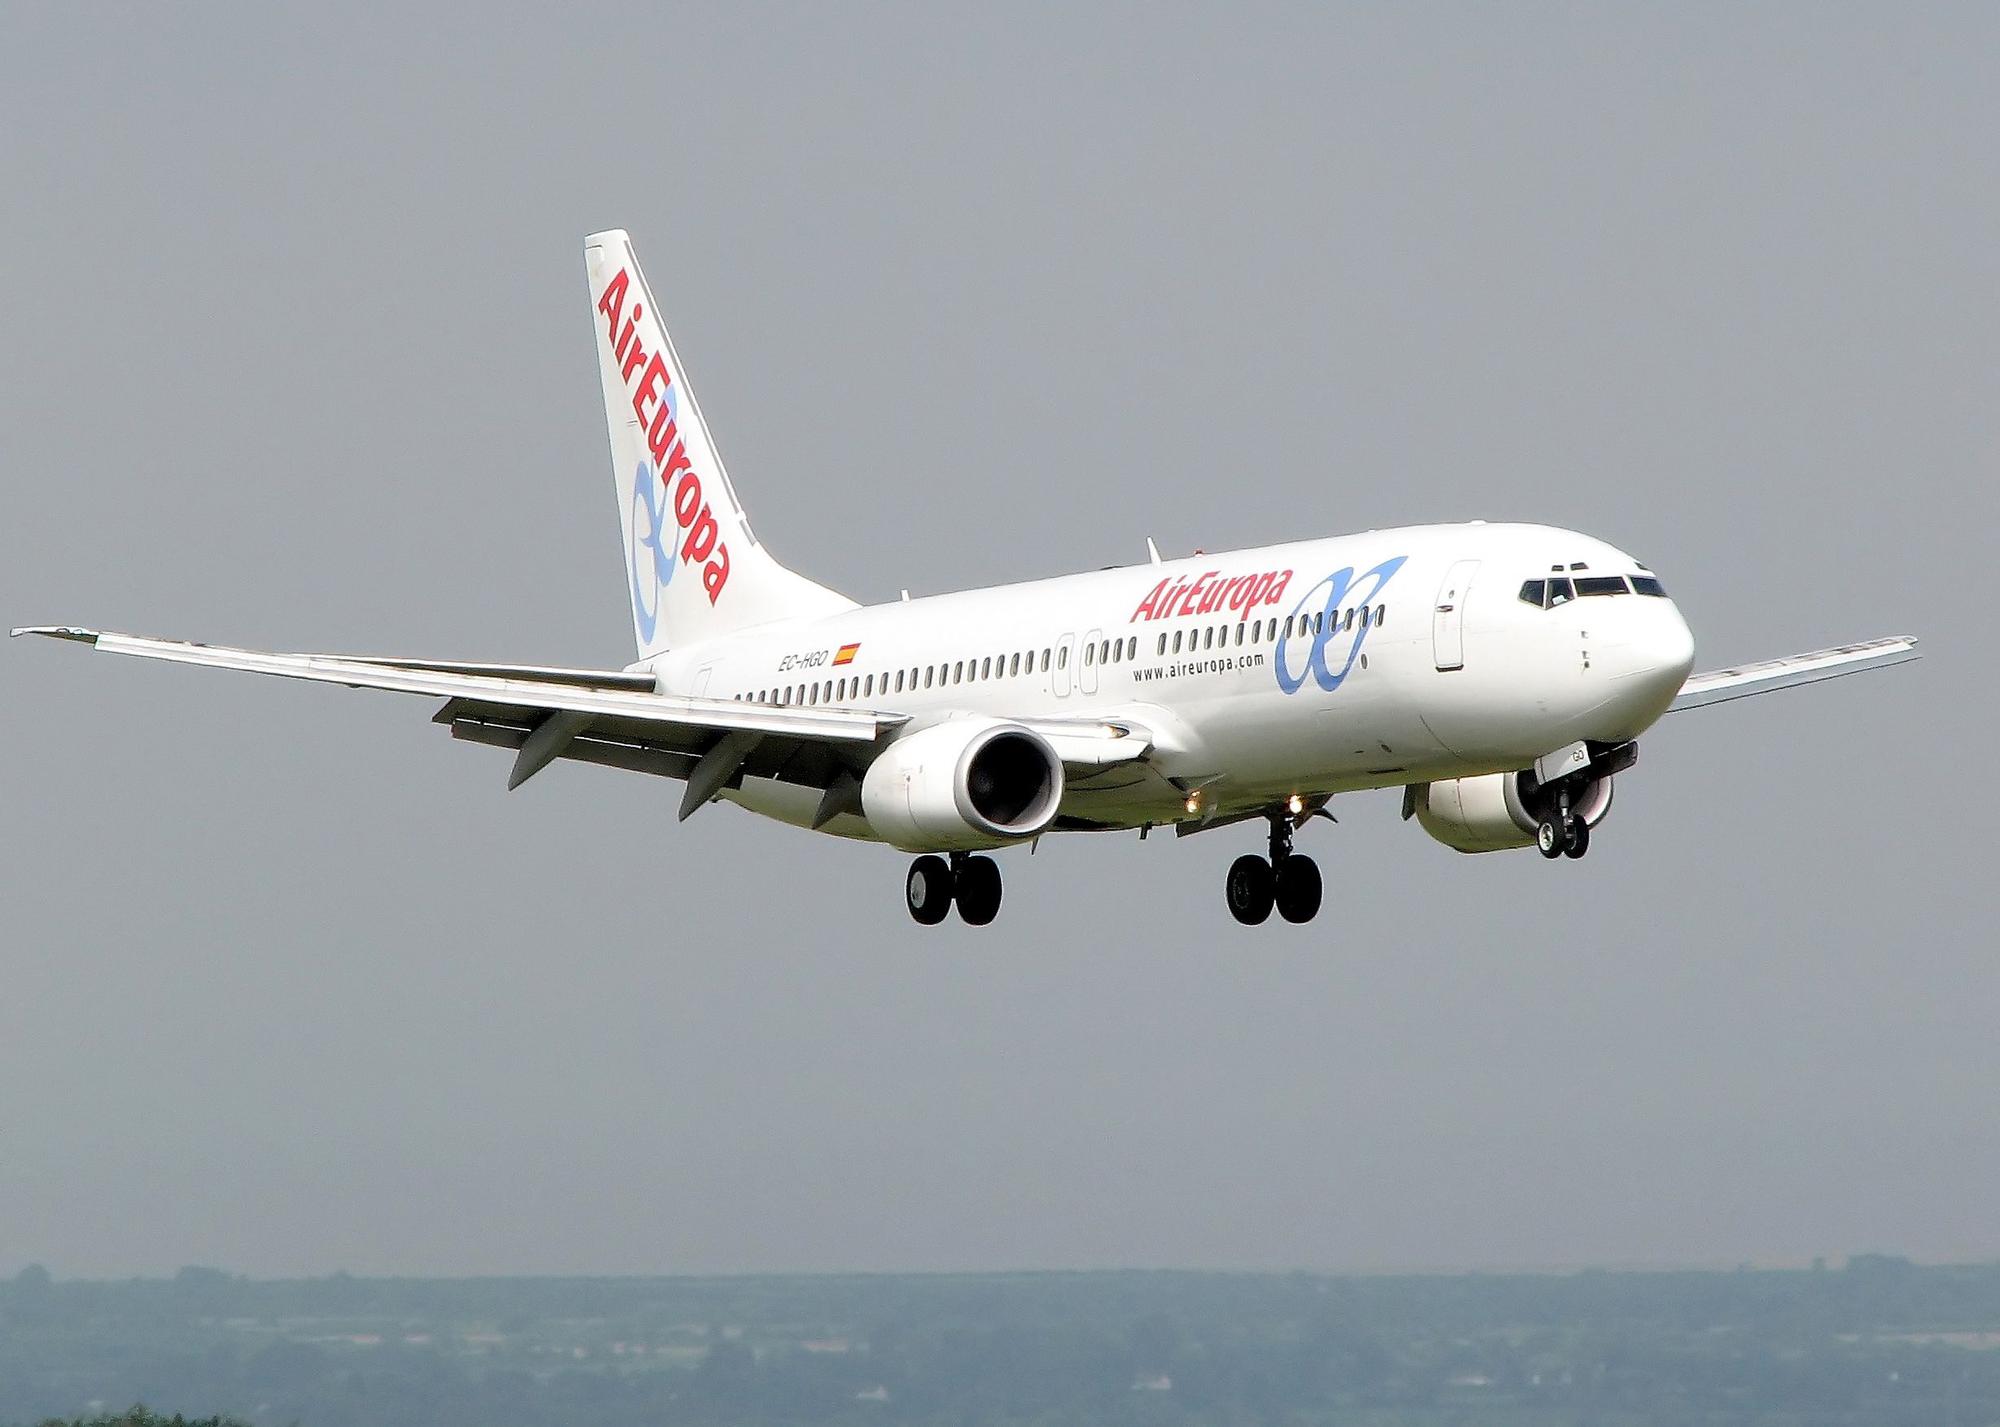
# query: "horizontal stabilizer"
(1720, 685)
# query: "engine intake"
(1500, 810)
(962, 784)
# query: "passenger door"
(1448, 618)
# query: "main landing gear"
(934, 885)
(1286, 880)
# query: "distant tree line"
(1878, 1343)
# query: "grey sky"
(297, 354)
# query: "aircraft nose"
(1652, 664)
(1666, 651)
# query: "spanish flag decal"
(846, 654)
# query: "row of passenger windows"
(1261, 631)
(1104, 651)
(1547, 594)
(930, 676)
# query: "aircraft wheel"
(1298, 889)
(1579, 839)
(929, 890)
(1250, 888)
(1549, 839)
(977, 889)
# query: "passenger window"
(1089, 653)
(1208, 638)
(1380, 610)
(958, 671)
(1017, 665)
(986, 667)
(1132, 647)
(1364, 616)
(1163, 643)
(1045, 661)
(1062, 657)
(1177, 641)
(899, 681)
(930, 674)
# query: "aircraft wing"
(1087, 745)
(1720, 685)
(596, 716)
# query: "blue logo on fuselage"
(1328, 631)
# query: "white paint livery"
(1501, 674)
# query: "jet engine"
(962, 784)
(1500, 810)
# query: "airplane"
(1500, 674)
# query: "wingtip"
(56, 631)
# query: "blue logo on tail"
(648, 535)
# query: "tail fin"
(696, 570)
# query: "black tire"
(1579, 839)
(1298, 889)
(1549, 839)
(1249, 889)
(928, 890)
(977, 891)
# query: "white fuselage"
(1372, 660)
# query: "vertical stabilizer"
(695, 569)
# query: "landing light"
(1295, 804)
(1194, 802)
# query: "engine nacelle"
(962, 784)
(1500, 810)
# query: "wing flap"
(1720, 685)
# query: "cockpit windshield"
(1560, 589)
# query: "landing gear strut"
(934, 885)
(1287, 880)
(1562, 833)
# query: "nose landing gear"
(934, 885)
(1287, 880)
(1562, 833)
